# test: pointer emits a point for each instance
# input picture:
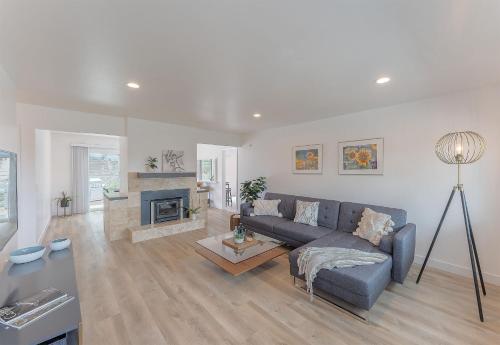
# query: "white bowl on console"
(60, 244)
(24, 255)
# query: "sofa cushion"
(328, 211)
(373, 225)
(306, 212)
(361, 280)
(350, 215)
(286, 206)
(265, 223)
(300, 232)
(266, 208)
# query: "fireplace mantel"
(165, 175)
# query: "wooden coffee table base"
(243, 266)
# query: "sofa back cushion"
(350, 215)
(286, 206)
(328, 212)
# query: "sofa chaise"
(360, 285)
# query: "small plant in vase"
(193, 212)
(65, 200)
(151, 164)
(239, 234)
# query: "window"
(4, 188)
(207, 170)
(104, 172)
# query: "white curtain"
(80, 183)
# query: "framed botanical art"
(172, 161)
(361, 157)
(307, 159)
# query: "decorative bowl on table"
(60, 244)
(28, 254)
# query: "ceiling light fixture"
(383, 80)
(257, 115)
(133, 85)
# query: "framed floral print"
(361, 157)
(307, 159)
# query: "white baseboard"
(456, 269)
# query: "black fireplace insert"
(163, 210)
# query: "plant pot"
(194, 216)
(239, 239)
(239, 235)
(150, 170)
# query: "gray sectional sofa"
(360, 285)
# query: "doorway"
(217, 172)
(104, 174)
(81, 166)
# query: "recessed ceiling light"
(257, 115)
(383, 80)
(133, 85)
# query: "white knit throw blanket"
(312, 259)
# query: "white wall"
(64, 120)
(61, 158)
(42, 181)
(414, 179)
(148, 138)
(9, 136)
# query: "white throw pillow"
(306, 212)
(266, 208)
(373, 226)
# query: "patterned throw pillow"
(306, 212)
(266, 208)
(373, 226)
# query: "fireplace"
(164, 205)
(163, 210)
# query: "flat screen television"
(8, 196)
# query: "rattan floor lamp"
(461, 148)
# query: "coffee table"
(238, 262)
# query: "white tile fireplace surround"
(122, 212)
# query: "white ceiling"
(213, 63)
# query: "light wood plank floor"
(162, 292)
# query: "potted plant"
(65, 200)
(251, 189)
(239, 234)
(151, 164)
(193, 212)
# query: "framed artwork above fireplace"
(172, 161)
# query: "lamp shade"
(460, 147)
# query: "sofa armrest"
(403, 252)
(245, 209)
